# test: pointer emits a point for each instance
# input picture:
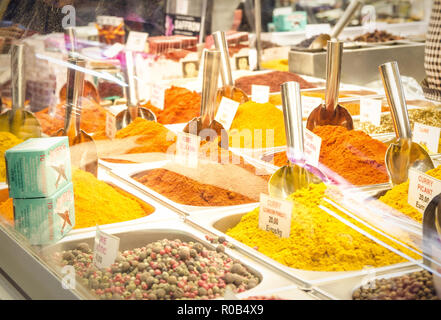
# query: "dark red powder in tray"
(272, 79)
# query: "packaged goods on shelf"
(110, 29)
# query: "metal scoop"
(83, 150)
(331, 113)
(322, 39)
(18, 121)
(403, 153)
(228, 90)
(206, 120)
(133, 111)
(292, 177)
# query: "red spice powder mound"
(180, 105)
(272, 79)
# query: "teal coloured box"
(295, 21)
(38, 167)
(45, 220)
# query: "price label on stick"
(105, 249)
(260, 94)
(312, 145)
(422, 189)
(158, 96)
(226, 112)
(309, 104)
(275, 215)
(110, 125)
(136, 41)
(427, 135)
(370, 111)
(187, 149)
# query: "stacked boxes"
(39, 178)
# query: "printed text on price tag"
(312, 145)
(275, 215)
(226, 112)
(370, 111)
(422, 189)
(105, 249)
(427, 135)
(260, 94)
(187, 149)
(110, 125)
(136, 41)
(158, 95)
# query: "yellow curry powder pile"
(96, 202)
(317, 241)
(7, 141)
(397, 197)
(257, 125)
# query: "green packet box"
(38, 167)
(45, 220)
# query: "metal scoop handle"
(70, 40)
(292, 113)
(132, 97)
(258, 25)
(74, 88)
(345, 18)
(390, 74)
(220, 42)
(209, 85)
(17, 77)
(333, 73)
(78, 94)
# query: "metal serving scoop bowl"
(403, 153)
(133, 111)
(322, 39)
(292, 176)
(228, 90)
(83, 149)
(331, 113)
(18, 121)
(205, 125)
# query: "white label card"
(187, 149)
(158, 95)
(105, 249)
(260, 94)
(370, 111)
(426, 135)
(422, 189)
(312, 145)
(113, 50)
(226, 112)
(312, 30)
(275, 215)
(110, 125)
(309, 104)
(136, 41)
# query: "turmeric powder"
(96, 202)
(397, 197)
(7, 141)
(257, 125)
(317, 241)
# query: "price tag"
(187, 149)
(260, 94)
(369, 17)
(422, 189)
(157, 97)
(427, 135)
(110, 125)
(105, 249)
(136, 41)
(370, 111)
(113, 50)
(312, 145)
(226, 112)
(309, 104)
(312, 30)
(275, 215)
